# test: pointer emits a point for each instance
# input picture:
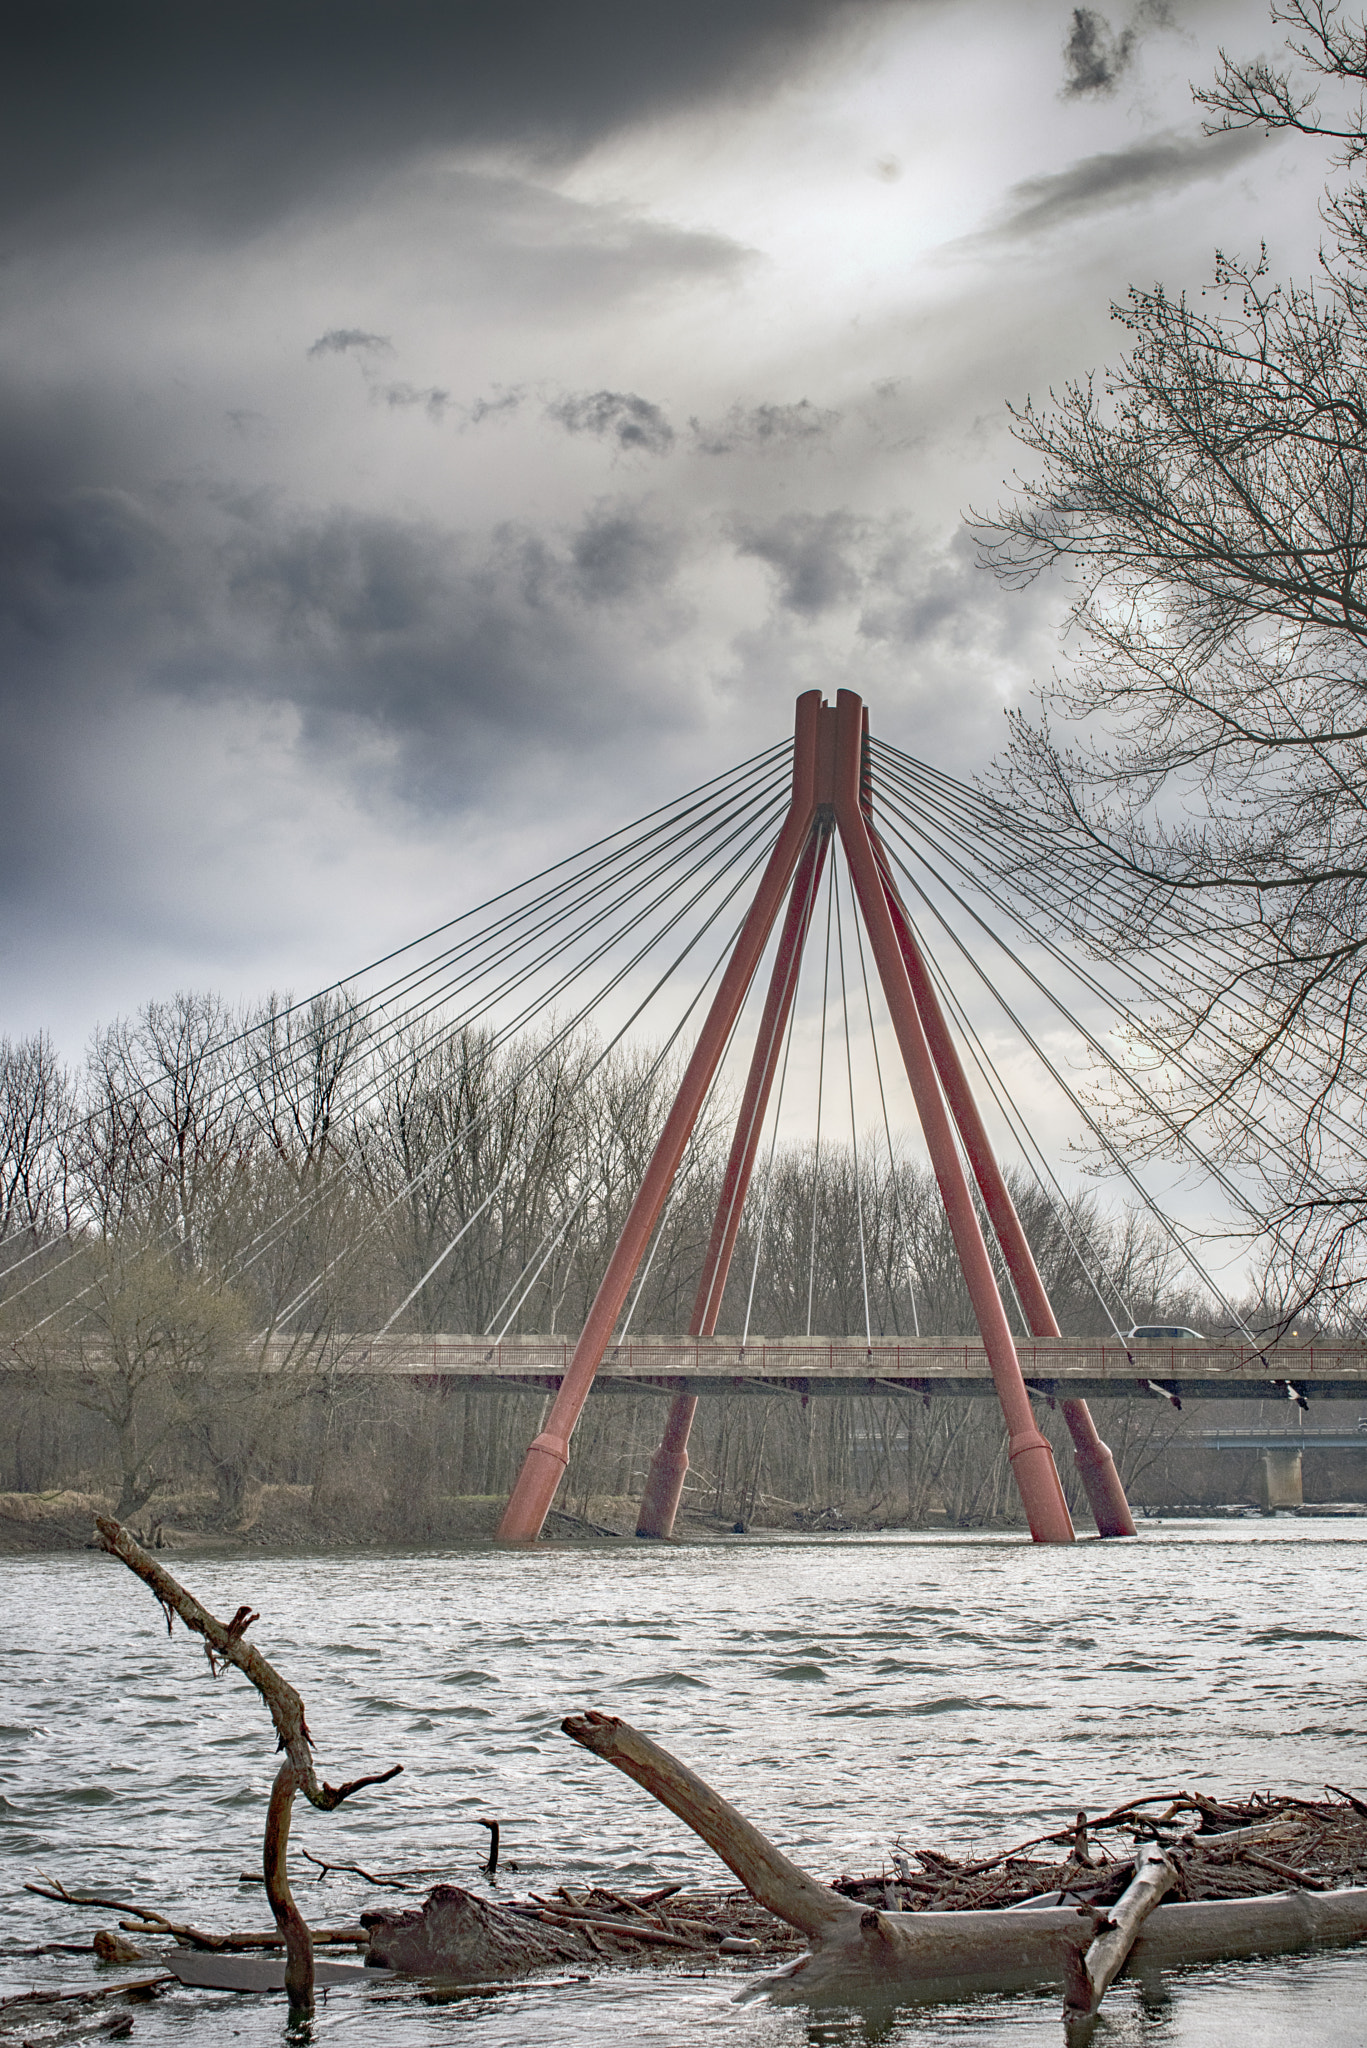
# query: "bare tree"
(166, 1139)
(303, 1062)
(305, 1075)
(1207, 501)
(1323, 46)
(36, 1114)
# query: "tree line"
(196, 1218)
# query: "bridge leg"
(544, 1465)
(1282, 1479)
(1096, 1466)
(1096, 1469)
(664, 1485)
(664, 1482)
(1032, 1460)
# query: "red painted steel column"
(664, 1482)
(546, 1459)
(1031, 1458)
(1096, 1466)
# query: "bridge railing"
(901, 1359)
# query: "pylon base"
(1106, 1495)
(1041, 1494)
(537, 1484)
(668, 1468)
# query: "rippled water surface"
(845, 1692)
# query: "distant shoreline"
(285, 1521)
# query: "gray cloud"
(1093, 56)
(924, 598)
(497, 407)
(634, 423)
(1096, 56)
(618, 553)
(914, 593)
(230, 112)
(1125, 177)
(340, 341)
(430, 639)
(811, 555)
(265, 629)
(748, 428)
(66, 558)
(402, 397)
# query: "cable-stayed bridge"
(765, 926)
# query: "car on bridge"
(1164, 1333)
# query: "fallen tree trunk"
(766, 1874)
(859, 1954)
(1102, 1961)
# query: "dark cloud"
(232, 111)
(65, 558)
(620, 554)
(747, 428)
(432, 641)
(1093, 57)
(340, 341)
(634, 423)
(1096, 56)
(1125, 177)
(811, 555)
(915, 594)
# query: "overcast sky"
(430, 432)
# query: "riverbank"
(290, 1519)
(286, 1520)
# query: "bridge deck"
(1282, 1439)
(829, 1366)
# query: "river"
(847, 1692)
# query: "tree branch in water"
(224, 1643)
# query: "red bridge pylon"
(831, 792)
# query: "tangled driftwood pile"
(1218, 1851)
(1230, 1850)
(457, 1933)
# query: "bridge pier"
(668, 1469)
(1282, 1479)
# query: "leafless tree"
(1195, 787)
(166, 1139)
(303, 1062)
(36, 1113)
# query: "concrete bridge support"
(1282, 1479)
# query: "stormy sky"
(431, 432)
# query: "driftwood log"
(225, 1643)
(1101, 1961)
(859, 1954)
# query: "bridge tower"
(831, 794)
